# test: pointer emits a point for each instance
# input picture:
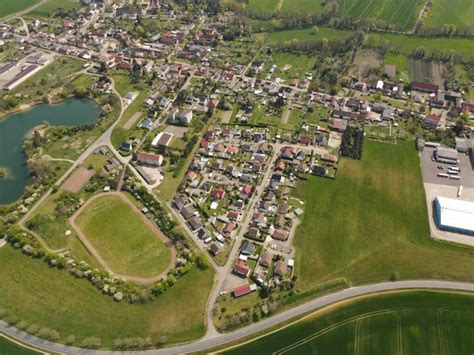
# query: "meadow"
(11, 7)
(402, 13)
(48, 297)
(411, 322)
(371, 223)
(120, 236)
(308, 33)
(452, 12)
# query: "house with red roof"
(217, 193)
(244, 290)
(241, 269)
(431, 121)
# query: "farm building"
(454, 215)
(244, 290)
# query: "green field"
(303, 6)
(320, 33)
(402, 13)
(412, 322)
(452, 12)
(9, 7)
(122, 239)
(408, 44)
(51, 6)
(52, 298)
(372, 221)
(263, 5)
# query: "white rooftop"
(456, 213)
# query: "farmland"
(385, 229)
(421, 322)
(122, 239)
(452, 12)
(263, 5)
(303, 6)
(408, 44)
(50, 6)
(11, 7)
(51, 298)
(402, 13)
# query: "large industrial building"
(446, 155)
(454, 215)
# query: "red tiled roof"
(241, 290)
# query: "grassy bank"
(52, 298)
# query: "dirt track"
(88, 245)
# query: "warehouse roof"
(457, 214)
(448, 153)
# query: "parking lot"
(431, 168)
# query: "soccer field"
(412, 322)
(122, 238)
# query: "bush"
(91, 343)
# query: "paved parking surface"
(429, 170)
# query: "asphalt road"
(221, 339)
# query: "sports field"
(414, 322)
(402, 13)
(452, 12)
(122, 238)
(8, 7)
(48, 297)
(372, 221)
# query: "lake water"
(9, 348)
(14, 128)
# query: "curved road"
(221, 339)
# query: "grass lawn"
(53, 298)
(402, 13)
(372, 221)
(9, 7)
(401, 62)
(122, 239)
(50, 6)
(452, 12)
(425, 322)
(289, 65)
(123, 84)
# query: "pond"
(13, 129)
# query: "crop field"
(408, 44)
(381, 201)
(9, 7)
(452, 12)
(402, 13)
(304, 6)
(412, 322)
(122, 238)
(50, 6)
(48, 297)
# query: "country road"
(221, 339)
